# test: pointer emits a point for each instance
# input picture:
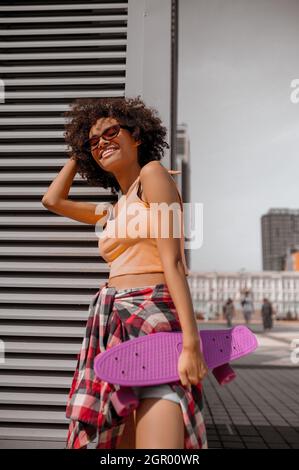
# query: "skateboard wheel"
(224, 374)
(124, 401)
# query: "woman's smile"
(107, 153)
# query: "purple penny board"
(153, 359)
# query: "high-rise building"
(183, 164)
(280, 232)
(292, 259)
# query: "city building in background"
(292, 259)
(280, 232)
(183, 164)
(210, 290)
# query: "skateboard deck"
(152, 359)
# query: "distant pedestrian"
(229, 311)
(267, 314)
(247, 307)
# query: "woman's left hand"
(192, 367)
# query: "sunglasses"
(108, 134)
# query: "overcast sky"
(237, 59)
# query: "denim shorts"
(158, 391)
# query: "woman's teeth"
(107, 153)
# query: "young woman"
(117, 143)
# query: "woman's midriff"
(127, 281)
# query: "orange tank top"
(133, 254)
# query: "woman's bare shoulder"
(152, 168)
(158, 184)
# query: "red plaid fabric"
(116, 316)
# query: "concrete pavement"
(260, 408)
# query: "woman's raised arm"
(56, 198)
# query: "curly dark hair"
(144, 122)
